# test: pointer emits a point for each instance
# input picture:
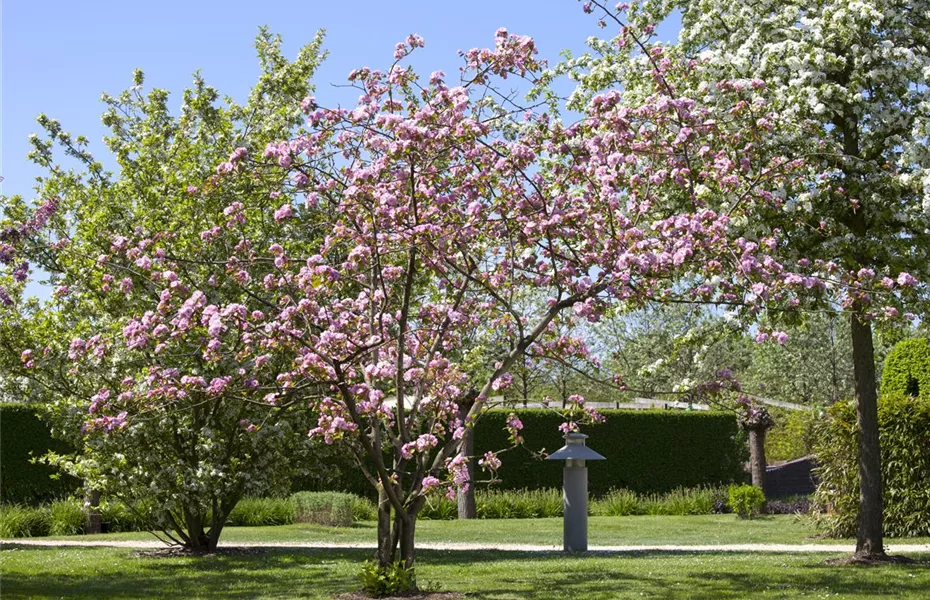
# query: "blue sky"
(60, 55)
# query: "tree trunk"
(466, 497)
(385, 551)
(757, 461)
(200, 542)
(869, 542)
(407, 547)
(94, 522)
(467, 509)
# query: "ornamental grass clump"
(253, 512)
(519, 504)
(66, 517)
(334, 509)
(617, 503)
(17, 521)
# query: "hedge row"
(24, 436)
(646, 451)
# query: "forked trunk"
(199, 541)
(869, 536)
(399, 540)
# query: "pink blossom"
(490, 461)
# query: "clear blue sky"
(59, 55)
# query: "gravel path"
(834, 548)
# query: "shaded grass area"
(655, 530)
(35, 572)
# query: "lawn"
(38, 572)
(639, 530)
(34, 572)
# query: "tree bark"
(869, 536)
(407, 537)
(94, 521)
(385, 551)
(757, 461)
(467, 507)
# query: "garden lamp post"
(575, 490)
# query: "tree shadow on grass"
(282, 573)
(322, 573)
(709, 576)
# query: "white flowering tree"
(184, 463)
(843, 89)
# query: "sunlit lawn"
(639, 530)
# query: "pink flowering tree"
(21, 231)
(443, 204)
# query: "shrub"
(393, 580)
(323, 508)
(17, 521)
(907, 369)
(66, 517)
(746, 500)
(23, 437)
(257, 512)
(904, 435)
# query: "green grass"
(665, 530)
(34, 572)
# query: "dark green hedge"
(907, 369)
(646, 451)
(904, 434)
(24, 436)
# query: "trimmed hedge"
(23, 436)
(904, 435)
(907, 368)
(647, 452)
